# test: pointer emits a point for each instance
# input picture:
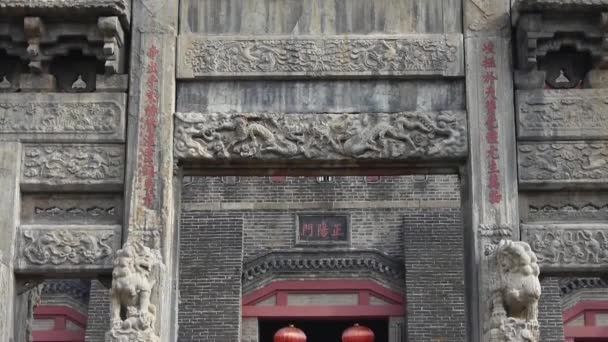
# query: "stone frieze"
(302, 56)
(562, 114)
(562, 164)
(74, 117)
(271, 136)
(568, 247)
(73, 165)
(70, 247)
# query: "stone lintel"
(267, 137)
(567, 114)
(561, 165)
(352, 56)
(66, 249)
(72, 167)
(47, 117)
(577, 247)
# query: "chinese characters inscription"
(323, 228)
(488, 65)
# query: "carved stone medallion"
(562, 114)
(271, 136)
(349, 56)
(73, 166)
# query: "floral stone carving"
(575, 247)
(270, 136)
(133, 316)
(515, 291)
(562, 163)
(402, 55)
(55, 164)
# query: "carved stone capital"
(318, 137)
(334, 56)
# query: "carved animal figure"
(132, 283)
(520, 287)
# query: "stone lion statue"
(132, 283)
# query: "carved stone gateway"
(515, 291)
(298, 56)
(272, 136)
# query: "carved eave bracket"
(327, 263)
(553, 37)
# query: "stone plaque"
(73, 166)
(323, 228)
(59, 117)
(591, 206)
(70, 208)
(563, 164)
(562, 114)
(67, 248)
(569, 247)
(332, 56)
(274, 136)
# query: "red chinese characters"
(489, 79)
(323, 228)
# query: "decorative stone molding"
(332, 56)
(273, 136)
(570, 285)
(569, 247)
(136, 269)
(69, 248)
(73, 166)
(563, 207)
(563, 164)
(560, 5)
(301, 263)
(562, 114)
(90, 208)
(76, 288)
(96, 117)
(515, 291)
(63, 8)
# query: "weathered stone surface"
(67, 248)
(398, 136)
(562, 164)
(564, 207)
(66, 7)
(560, 5)
(73, 166)
(96, 208)
(569, 247)
(562, 114)
(59, 117)
(337, 56)
(483, 17)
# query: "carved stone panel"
(318, 137)
(562, 114)
(563, 206)
(98, 208)
(559, 165)
(60, 117)
(73, 167)
(333, 56)
(569, 247)
(68, 248)
(50, 8)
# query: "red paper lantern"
(358, 333)
(290, 334)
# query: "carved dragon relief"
(341, 55)
(320, 136)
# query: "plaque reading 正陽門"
(326, 228)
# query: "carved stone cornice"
(71, 248)
(98, 117)
(312, 57)
(570, 285)
(560, 5)
(569, 247)
(79, 289)
(320, 137)
(571, 114)
(563, 164)
(328, 262)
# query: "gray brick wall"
(211, 263)
(433, 244)
(550, 311)
(98, 322)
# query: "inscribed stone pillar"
(10, 161)
(149, 183)
(491, 206)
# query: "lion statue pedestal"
(133, 316)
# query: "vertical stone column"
(491, 189)
(150, 216)
(10, 162)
